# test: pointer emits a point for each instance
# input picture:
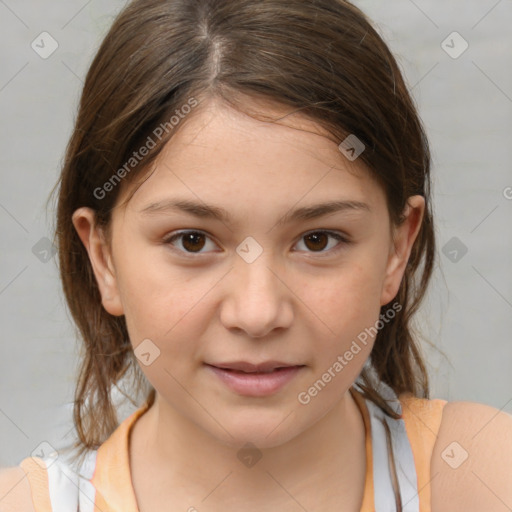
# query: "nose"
(257, 297)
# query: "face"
(254, 273)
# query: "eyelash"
(342, 239)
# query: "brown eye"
(318, 241)
(191, 241)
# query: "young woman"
(245, 221)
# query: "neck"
(329, 456)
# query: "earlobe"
(100, 256)
(401, 247)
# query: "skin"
(297, 302)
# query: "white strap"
(382, 483)
(405, 467)
(68, 489)
(402, 455)
(87, 494)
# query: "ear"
(401, 246)
(100, 256)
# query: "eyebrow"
(203, 210)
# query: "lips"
(255, 380)
(246, 367)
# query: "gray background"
(466, 105)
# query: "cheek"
(349, 306)
(169, 311)
(349, 300)
(158, 299)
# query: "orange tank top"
(104, 480)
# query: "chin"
(259, 429)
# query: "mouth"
(247, 367)
(255, 380)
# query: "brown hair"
(323, 59)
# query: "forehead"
(221, 155)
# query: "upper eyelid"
(319, 230)
(345, 238)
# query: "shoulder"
(15, 492)
(471, 464)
